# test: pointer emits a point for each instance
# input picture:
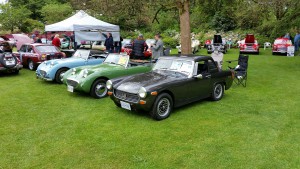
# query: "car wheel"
(162, 107)
(273, 53)
(59, 75)
(99, 89)
(218, 92)
(31, 65)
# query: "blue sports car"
(53, 70)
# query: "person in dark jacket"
(109, 42)
(139, 46)
(118, 45)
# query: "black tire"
(2, 56)
(162, 107)
(273, 53)
(31, 65)
(98, 89)
(59, 74)
(217, 92)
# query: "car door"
(200, 87)
(30, 53)
(22, 54)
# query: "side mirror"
(198, 76)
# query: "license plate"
(10, 62)
(70, 89)
(125, 105)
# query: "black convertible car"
(173, 82)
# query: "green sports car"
(92, 79)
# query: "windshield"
(117, 59)
(84, 54)
(280, 41)
(47, 49)
(182, 66)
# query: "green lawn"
(44, 126)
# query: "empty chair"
(240, 70)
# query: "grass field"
(44, 126)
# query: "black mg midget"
(173, 82)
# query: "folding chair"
(240, 70)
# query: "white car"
(195, 46)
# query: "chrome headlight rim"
(73, 71)
(109, 84)
(85, 73)
(51, 64)
(142, 93)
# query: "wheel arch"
(170, 93)
(101, 77)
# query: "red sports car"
(32, 55)
(249, 45)
(280, 45)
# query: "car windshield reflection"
(84, 54)
(182, 66)
(117, 59)
(47, 49)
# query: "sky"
(2, 1)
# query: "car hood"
(132, 84)
(250, 39)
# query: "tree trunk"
(185, 30)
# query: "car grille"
(282, 49)
(72, 82)
(43, 73)
(249, 48)
(134, 98)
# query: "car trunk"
(249, 40)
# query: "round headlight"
(73, 71)
(85, 73)
(109, 85)
(142, 92)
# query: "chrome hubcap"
(163, 107)
(62, 75)
(101, 90)
(218, 91)
(30, 65)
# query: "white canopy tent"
(85, 27)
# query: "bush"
(170, 42)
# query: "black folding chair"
(240, 70)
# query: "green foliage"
(169, 41)
(56, 12)
(31, 24)
(11, 17)
(222, 22)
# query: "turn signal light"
(109, 93)
(142, 102)
(153, 93)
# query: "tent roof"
(82, 21)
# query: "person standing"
(287, 35)
(118, 45)
(157, 48)
(296, 41)
(139, 47)
(109, 42)
(56, 41)
(38, 39)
